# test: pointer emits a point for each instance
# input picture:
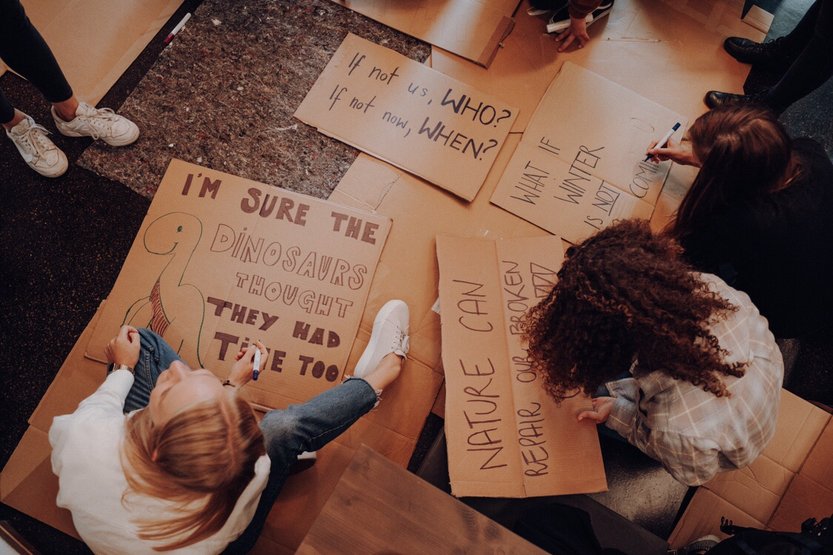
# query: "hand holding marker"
(662, 142)
(256, 366)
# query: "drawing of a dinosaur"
(173, 309)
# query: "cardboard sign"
(506, 436)
(221, 261)
(580, 165)
(409, 115)
(472, 29)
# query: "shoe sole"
(130, 139)
(360, 370)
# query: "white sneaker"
(98, 123)
(37, 150)
(390, 335)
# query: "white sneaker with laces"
(37, 150)
(98, 123)
(389, 335)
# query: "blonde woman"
(163, 458)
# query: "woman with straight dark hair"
(759, 214)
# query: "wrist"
(123, 366)
(228, 382)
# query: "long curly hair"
(626, 294)
(201, 459)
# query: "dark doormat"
(223, 93)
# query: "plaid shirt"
(693, 433)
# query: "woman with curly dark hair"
(703, 370)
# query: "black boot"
(772, 54)
(713, 99)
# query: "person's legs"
(798, 38)
(813, 66)
(308, 427)
(23, 49)
(8, 116)
(155, 356)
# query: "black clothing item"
(813, 39)
(778, 248)
(24, 50)
(814, 538)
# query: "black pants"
(812, 41)
(24, 50)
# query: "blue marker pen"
(662, 142)
(256, 368)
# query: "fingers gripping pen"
(256, 368)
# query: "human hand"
(680, 153)
(241, 372)
(574, 35)
(601, 410)
(124, 348)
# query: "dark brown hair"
(621, 294)
(744, 151)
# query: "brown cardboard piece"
(408, 266)
(408, 114)
(28, 484)
(789, 483)
(667, 51)
(472, 29)
(95, 41)
(506, 437)
(581, 163)
(390, 499)
(221, 261)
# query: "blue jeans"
(287, 433)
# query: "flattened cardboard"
(580, 165)
(787, 484)
(506, 437)
(408, 114)
(565, 199)
(390, 498)
(28, 484)
(408, 267)
(667, 51)
(221, 261)
(472, 29)
(95, 41)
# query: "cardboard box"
(221, 261)
(408, 114)
(506, 436)
(789, 483)
(472, 29)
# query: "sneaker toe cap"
(124, 132)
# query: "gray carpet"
(223, 93)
